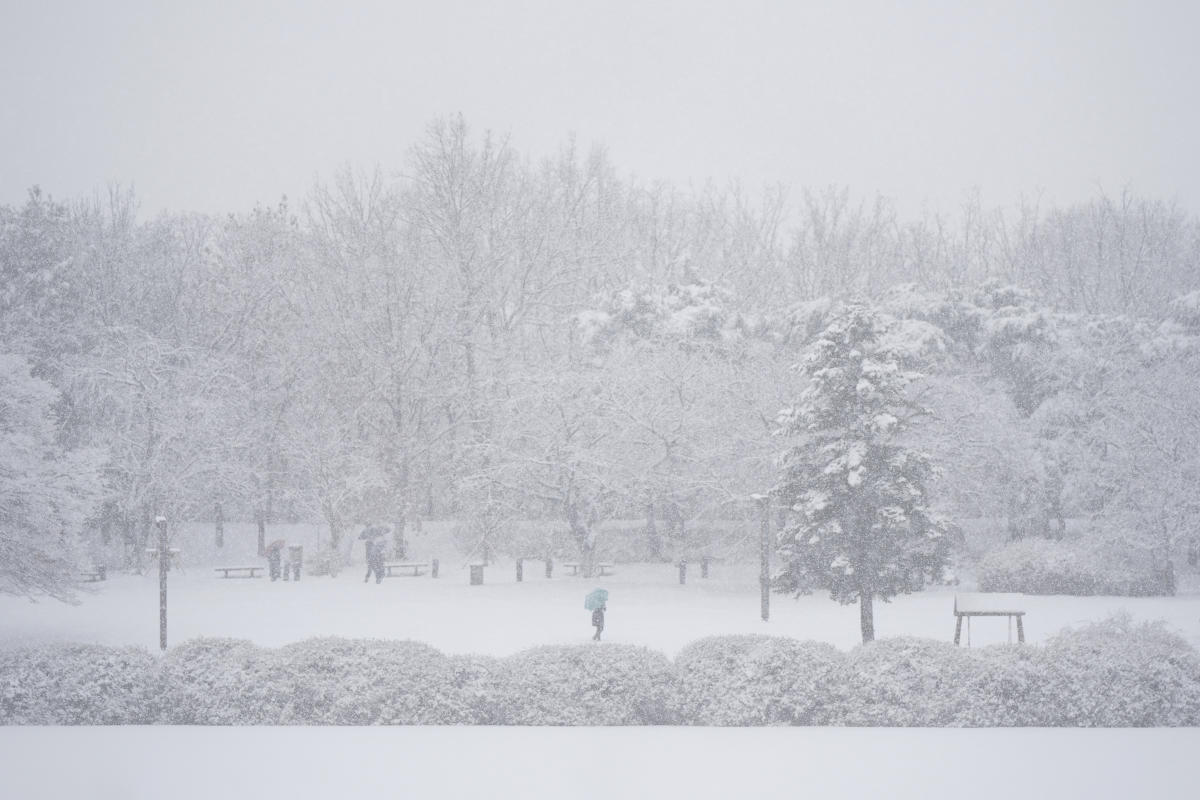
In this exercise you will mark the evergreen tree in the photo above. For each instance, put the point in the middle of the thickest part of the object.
(861, 526)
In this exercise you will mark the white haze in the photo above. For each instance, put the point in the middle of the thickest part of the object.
(217, 106)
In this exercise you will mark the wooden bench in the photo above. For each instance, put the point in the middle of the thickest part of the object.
(94, 574)
(415, 566)
(988, 605)
(603, 567)
(239, 572)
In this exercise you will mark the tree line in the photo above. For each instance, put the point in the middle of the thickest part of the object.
(485, 337)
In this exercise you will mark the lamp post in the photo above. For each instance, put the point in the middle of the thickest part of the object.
(764, 575)
(163, 555)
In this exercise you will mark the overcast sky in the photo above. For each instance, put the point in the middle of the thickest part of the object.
(213, 107)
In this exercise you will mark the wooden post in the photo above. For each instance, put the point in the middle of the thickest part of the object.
(549, 566)
(163, 555)
(433, 569)
(704, 567)
(1020, 629)
(682, 573)
(957, 628)
(764, 574)
(220, 526)
(520, 570)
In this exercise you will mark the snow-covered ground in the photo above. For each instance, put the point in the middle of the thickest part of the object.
(694, 763)
(647, 606)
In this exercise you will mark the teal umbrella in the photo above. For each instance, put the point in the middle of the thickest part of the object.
(595, 599)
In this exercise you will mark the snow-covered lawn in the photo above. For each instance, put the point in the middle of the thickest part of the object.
(693, 763)
(647, 606)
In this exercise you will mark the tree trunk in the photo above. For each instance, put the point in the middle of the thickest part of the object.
(220, 533)
(399, 543)
(653, 541)
(866, 610)
(583, 538)
(260, 518)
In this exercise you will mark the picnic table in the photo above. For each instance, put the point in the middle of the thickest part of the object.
(239, 572)
(94, 574)
(989, 605)
(603, 567)
(415, 566)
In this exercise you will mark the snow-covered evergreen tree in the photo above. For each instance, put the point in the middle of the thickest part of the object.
(861, 525)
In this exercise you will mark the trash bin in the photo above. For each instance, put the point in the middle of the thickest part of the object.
(476, 574)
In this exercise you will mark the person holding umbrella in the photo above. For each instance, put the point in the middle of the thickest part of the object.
(373, 535)
(274, 553)
(597, 602)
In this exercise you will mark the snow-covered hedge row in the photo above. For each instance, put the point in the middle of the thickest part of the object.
(1075, 567)
(612, 684)
(326, 681)
(1113, 673)
(758, 680)
(79, 684)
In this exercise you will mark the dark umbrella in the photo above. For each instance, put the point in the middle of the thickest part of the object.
(373, 532)
(276, 545)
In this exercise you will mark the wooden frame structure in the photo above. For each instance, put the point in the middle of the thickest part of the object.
(985, 605)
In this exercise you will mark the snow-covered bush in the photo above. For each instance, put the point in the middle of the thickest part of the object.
(478, 679)
(1116, 673)
(998, 686)
(928, 683)
(1074, 567)
(607, 684)
(903, 682)
(221, 682)
(332, 681)
(78, 684)
(757, 680)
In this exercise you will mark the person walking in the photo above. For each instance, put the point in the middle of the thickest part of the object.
(370, 543)
(376, 549)
(274, 558)
(598, 622)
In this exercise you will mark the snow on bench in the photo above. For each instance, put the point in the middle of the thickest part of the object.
(604, 567)
(94, 574)
(984, 604)
(249, 572)
(415, 566)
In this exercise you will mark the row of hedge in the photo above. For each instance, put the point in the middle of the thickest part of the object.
(1082, 566)
(1109, 674)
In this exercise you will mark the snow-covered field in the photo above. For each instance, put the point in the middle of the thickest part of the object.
(607, 763)
(647, 607)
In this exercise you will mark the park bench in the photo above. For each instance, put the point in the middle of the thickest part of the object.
(415, 566)
(988, 605)
(239, 572)
(603, 567)
(94, 574)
